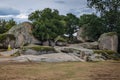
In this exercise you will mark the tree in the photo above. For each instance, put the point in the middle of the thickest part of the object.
(71, 25)
(93, 26)
(109, 10)
(6, 25)
(48, 24)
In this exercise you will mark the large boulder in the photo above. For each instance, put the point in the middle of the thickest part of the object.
(81, 37)
(23, 34)
(108, 41)
(7, 39)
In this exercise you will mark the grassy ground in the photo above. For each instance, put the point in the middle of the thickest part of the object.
(109, 70)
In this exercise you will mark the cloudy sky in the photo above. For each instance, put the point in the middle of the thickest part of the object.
(20, 9)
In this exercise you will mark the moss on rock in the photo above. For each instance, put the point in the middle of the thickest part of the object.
(41, 48)
(111, 33)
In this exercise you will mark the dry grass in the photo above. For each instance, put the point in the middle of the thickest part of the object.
(109, 70)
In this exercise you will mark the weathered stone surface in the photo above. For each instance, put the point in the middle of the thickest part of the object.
(60, 43)
(23, 34)
(108, 41)
(91, 55)
(55, 57)
(90, 45)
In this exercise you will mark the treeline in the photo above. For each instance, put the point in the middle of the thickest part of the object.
(49, 24)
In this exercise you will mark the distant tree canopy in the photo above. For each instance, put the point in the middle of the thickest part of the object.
(110, 12)
(72, 23)
(93, 26)
(6, 25)
(49, 24)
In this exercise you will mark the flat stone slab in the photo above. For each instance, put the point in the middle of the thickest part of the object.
(55, 57)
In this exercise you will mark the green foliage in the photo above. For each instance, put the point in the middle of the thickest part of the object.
(48, 24)
(71, 25)
(6, 25)
(110, 12)
(92, 25)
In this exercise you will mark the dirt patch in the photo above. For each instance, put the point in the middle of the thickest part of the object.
(108, 70)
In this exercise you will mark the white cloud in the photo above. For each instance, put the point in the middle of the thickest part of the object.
(6, 16)
(22, 16)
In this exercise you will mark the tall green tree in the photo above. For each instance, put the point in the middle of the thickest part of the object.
(93, 26)
(71, 25)
(48, 24)
(109, 10)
